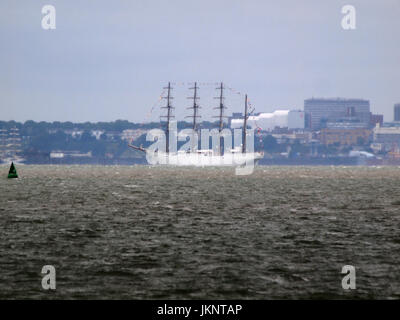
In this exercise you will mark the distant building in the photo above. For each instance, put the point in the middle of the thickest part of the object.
(387, 137)
(346, 124)
(343, 136)
(97, 133)
(132, 134)
(375, 119)
(397, 112)
(291, 119)
(302, 137)
(391, 124)
(113, 135)
(10, 145)
(321, 110)
(74, 133)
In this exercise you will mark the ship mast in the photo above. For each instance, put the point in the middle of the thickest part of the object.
(221, 114)
(245, 125)
(169, 115)
(195, 108)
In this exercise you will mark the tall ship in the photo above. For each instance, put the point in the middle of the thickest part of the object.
(195, 156)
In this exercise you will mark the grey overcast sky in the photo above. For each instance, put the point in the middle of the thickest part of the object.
(109, 60)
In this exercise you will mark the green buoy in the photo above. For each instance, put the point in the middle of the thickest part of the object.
(13, 172)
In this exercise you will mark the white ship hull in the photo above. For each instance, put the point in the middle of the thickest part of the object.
(203, 159)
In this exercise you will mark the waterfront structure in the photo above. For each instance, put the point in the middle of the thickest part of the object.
(59, 154)
(319, 111)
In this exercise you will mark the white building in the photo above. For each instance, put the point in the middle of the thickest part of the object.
(386, 137)
(132, 134)
(97, 133)
(291, 119)
(73, 154)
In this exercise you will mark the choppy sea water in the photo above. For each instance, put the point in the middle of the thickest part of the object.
(141, 232)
